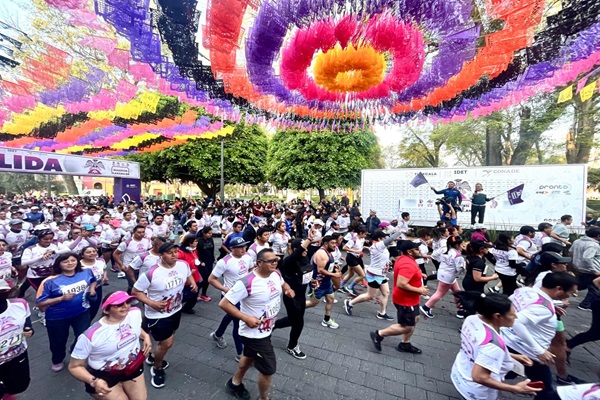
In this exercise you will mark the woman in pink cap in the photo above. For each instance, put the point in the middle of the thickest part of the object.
(109, 357)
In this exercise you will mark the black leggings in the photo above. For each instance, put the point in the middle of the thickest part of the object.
(509, 283)
(295, 315)
(205, 274)
(475, 209)
(592, 334)
(433, 277)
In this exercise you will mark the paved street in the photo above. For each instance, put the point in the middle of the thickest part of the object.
(341, 364)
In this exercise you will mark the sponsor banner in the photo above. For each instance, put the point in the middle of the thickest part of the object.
(523, 195)
(39, 162)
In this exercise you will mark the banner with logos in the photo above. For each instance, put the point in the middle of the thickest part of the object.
(546, 192)
(40, 162)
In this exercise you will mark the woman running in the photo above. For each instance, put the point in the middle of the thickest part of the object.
(90, 260)
(355, 242)
(475, 277)
(206, 255)
(108, 356)
(506, 263)
(376, 275)
(187, 252)
(451, 264)
(439, 236)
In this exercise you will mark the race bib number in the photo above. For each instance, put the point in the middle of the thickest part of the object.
(307, 277)
(74, 288)
(11, 341)
(174, 282)
(272, 309)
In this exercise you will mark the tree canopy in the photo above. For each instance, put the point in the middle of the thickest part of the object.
(199, 161)
(322, 160)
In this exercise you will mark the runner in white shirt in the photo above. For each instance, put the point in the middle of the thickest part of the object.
(90, 260)
(424, 238)
(127, 224)
(143, 262)
(161, 290)
(483, 360)
(589, 391)
(227, 225)
(16, 236)
(536, 324)
(259, 297)
(506, 263)
(235, 265)
(542, 236)
(438, 248)
(451, 264)
(61, 231)
(261, 242)
(110, 238)
(206, 219)
(376, 275)
(80, 238)
(525, 246)
(280, 239)
(91, 217)
(169, 219)
(344, 222)
(159, 227)
(4, 228)
(355, 242)
(404, 226)
(108, 357)
(16, 327)
(7, 271)
(128, 250)
(39, 258)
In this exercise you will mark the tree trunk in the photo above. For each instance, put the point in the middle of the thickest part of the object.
(209, 190)
(493, 145)
(321, 194)
(70, 184)
(580, 139)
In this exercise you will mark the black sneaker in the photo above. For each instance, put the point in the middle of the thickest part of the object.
(238, 391)
(190, 311)
(296, 352)
(150, 361)
(408, 348)
(351, 292)
(343, 289)
(570, 380)
(582, 308)
(158, 377)
(348, 307)
(375, 340)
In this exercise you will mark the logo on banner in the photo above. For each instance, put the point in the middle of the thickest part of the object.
(95, 167)
(120, 168)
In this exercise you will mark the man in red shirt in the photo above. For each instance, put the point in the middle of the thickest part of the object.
(406, 295)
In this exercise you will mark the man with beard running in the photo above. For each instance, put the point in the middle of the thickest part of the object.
(406, 295)
(324, 270)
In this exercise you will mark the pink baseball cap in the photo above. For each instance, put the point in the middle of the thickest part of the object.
(119, 297)
(115, 222)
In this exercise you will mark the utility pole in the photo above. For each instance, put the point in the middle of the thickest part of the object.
(222, 193)
(49, 185)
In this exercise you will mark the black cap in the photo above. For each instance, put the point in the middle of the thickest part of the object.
(166, 247)
(296, 244)
(480, 243)
(409, 245)
(549, 257)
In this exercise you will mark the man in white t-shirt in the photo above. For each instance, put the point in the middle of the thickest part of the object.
(404, 226)
(259, 296)
(127, 251)
(344, 221)
(536, 325)
(560, 232)
(91, 217)
(261, 242)
(525, 245)
(159, 227)
(161, 290)
(232, 267)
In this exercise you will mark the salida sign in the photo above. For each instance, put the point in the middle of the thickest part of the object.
(38, 162)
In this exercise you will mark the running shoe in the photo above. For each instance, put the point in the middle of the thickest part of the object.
(296, 353)
(114, 269)
(384, 316)
(204, 297)
(330, 324)
(351, 292)
(158, 377)
(121, 275)
(425, 297)
(426, 311)
(238, 357)
(343, 289)
(238, 391)
(57, 367)
(376, 342)
(584, 308)
(335, 301)
(408, 348)
(150, 361)
(493, 289)
(221, 343)
(364, 283)
(348, 307)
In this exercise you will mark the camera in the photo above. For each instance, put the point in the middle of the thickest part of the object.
(444, 200)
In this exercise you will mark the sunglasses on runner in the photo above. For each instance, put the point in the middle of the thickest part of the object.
(271, 261)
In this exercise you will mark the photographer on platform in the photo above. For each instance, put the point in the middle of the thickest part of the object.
(452, 193)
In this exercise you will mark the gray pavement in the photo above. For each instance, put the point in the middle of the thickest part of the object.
(341, 364)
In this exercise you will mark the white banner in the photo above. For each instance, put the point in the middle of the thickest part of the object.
(549, 192)
(40, 162)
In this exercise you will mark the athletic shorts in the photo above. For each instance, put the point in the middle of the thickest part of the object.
(407, 316)
(111, 380)
(325, 288)
(354, 261)
(162, 328)
(261, 351)
(14, 374)
(376, 281)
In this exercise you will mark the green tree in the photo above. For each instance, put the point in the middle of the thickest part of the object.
(22, 184)
(199, 161)
(323, 160)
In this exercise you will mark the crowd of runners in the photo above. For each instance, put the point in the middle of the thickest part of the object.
(65, 251)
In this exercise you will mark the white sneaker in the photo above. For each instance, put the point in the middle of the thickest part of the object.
(121, 275)
(334, 300)
(425, 297)
(331, 324)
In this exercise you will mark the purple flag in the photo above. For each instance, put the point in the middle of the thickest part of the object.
(418, 180)
(514, 195)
